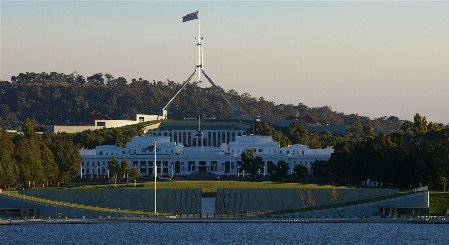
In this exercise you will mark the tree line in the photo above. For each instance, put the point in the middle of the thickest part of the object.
(417, 154)
(57, 98)
(29, 159)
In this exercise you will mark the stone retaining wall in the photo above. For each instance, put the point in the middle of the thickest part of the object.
(168, 200)
(243, 200)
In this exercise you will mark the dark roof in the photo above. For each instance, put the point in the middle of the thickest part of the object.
(96, 116)
(205, 125)
(309, 119)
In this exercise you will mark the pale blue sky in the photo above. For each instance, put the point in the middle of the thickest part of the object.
(370, 58)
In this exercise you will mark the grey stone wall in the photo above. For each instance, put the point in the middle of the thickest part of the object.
(415, 200)
(168, 200)
(243, 200)
(46, 210)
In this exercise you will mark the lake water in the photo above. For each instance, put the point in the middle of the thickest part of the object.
(225, 233)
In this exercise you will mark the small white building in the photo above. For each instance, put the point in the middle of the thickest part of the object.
(173, 159)
(102, 123)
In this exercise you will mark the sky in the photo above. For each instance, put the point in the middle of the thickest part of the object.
(371, 58)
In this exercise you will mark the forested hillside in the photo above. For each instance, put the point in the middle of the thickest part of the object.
(69, 99)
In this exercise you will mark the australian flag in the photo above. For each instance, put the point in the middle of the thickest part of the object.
(190, 16)
(150, 147)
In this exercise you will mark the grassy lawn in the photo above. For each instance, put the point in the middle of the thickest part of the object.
(212, 186)
(439, 203)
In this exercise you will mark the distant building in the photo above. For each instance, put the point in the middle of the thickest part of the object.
(99, 122)
(309, 123)
(213, 132)
(174, 159)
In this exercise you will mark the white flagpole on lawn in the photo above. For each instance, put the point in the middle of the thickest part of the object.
(155, 176)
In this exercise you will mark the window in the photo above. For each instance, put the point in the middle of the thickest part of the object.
(213, 166)
(191, 166)
(141, 119)
(101, 124)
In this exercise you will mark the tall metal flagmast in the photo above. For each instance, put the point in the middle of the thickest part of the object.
(199, 69)
(199, 64)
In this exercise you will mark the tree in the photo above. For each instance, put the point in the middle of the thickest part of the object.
(124, 168)
(282, 169)
(66, 156)
(334, 196)
(320, 169)
(114, 169)
(109, 78)
(251, 163)
(310, 199)
(51, 170)
(133, 174)
(8, 166)
(443, 182)
(271, 169)
(28, 156)
(299, 135)
(96, 79)
(300, 171)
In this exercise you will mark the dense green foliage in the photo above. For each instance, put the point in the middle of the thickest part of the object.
(418, 154)
(106, 136)
(297, 134)
(69, 99)
(439, 203)
(278, 171)
(33, 160)
(251, 163)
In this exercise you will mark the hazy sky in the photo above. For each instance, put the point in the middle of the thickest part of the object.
(371, 58)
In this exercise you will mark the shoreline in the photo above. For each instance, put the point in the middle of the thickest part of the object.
(429, 220)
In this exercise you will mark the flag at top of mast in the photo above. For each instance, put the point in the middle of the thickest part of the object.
(191, 16)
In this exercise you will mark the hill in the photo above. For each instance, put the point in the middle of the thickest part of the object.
(68, 99)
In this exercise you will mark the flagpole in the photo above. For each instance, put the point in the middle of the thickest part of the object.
(155, 176)
(199, 65)
(201, 132)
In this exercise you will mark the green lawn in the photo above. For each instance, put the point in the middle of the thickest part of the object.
(439, 203)
(212, 186)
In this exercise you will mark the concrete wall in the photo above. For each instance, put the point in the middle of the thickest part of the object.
(47, 210)
(70, 129)
(115, 123)
(168, 200)
(416, 200)
(242, 200)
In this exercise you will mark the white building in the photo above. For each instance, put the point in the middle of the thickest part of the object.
(102, 123)
(173, 159)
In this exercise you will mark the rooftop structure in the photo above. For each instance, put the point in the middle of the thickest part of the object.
(101, 123)
(201, 133)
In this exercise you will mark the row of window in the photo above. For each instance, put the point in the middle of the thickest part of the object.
(207, 138)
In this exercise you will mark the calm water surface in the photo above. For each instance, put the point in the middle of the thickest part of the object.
(229, 233)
